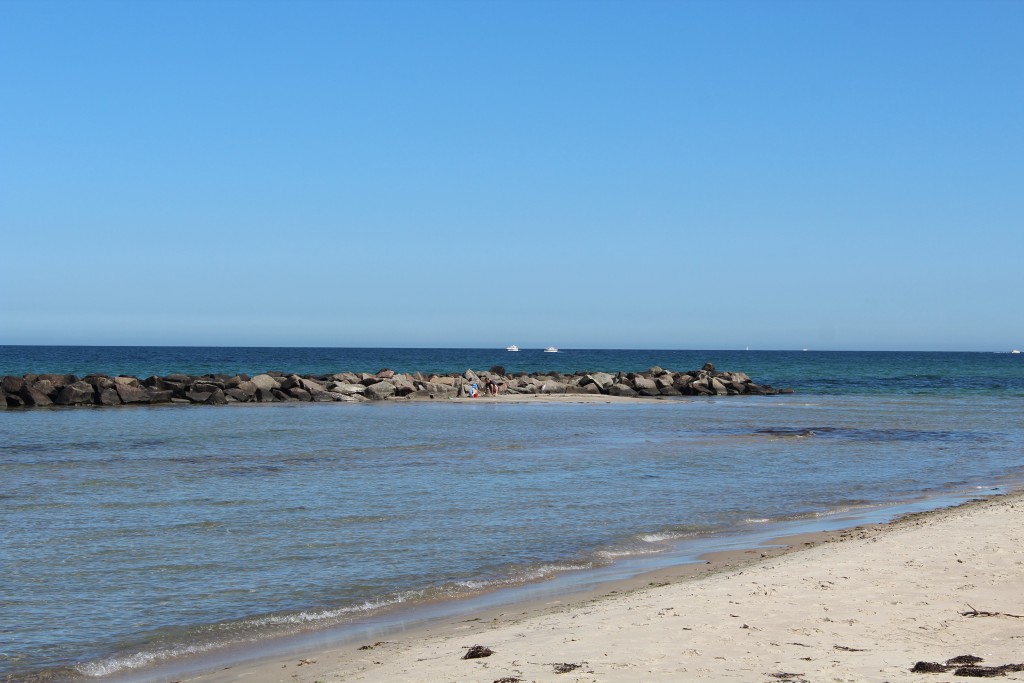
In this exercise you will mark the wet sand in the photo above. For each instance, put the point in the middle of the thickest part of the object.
(863, 604)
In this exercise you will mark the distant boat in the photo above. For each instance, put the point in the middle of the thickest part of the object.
(1015, 351)
(512, 348)
(551, 349)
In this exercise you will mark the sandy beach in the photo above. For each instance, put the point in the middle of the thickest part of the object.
(863, 604)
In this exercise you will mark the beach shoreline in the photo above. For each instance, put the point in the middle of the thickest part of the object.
(887, 594)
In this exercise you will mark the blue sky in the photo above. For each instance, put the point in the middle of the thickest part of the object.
(831, 175)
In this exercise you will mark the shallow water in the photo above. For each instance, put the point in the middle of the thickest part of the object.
(132, 535)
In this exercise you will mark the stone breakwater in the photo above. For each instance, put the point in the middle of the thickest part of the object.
(278, 387)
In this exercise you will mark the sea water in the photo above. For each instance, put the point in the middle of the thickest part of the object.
(136, 536)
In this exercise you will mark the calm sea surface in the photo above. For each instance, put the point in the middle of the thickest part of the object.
(131, 537)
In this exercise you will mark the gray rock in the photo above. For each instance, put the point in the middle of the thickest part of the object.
(33, 396)
(347, 389)
(265, 395)
(670, 391)
(47, 387)
(299, 393)
(682, 381)
(58, 381)
(124, 381)
(403, 387)
(217, 398)
(552, 387)
(76, 393)
(265, 382)
(160, 395)
(702, 387)
(99, 382)
(641, 384)
(313, 387)
(236, 381)
(621, 389)
(129, 393)
(108, 396)
(380, 391)
(238, 394)
(246, 386)
(435, 388)
(11, 385)
(717, 387)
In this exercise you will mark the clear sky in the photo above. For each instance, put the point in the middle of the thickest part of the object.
(778, 175)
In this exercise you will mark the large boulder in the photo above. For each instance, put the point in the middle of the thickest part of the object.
(434, 389)
(33, 396)
(11, 385)
(299, 393)
(290, 381)
(265, 395)
(552, 387)
(217, 398)
(583, 389)
(380, 391)
(75, 394)
(621, 389)
(266, 382)
(237, 394)
(160, 395)
(58, 381)
(108, 396)
(641, 383)
(47, 387)
(347, 389)
(717, 387)
(312, 387)
(198, 396)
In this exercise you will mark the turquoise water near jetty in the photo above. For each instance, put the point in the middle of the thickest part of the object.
(134, 536)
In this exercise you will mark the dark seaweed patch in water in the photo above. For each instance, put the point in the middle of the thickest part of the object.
(253, 469)
(855, 434)
(783, 431)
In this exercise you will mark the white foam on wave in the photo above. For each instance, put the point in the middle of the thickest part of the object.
(318, 616)
(629, 552)
(662, 536)
(525, 576)
(137, 660)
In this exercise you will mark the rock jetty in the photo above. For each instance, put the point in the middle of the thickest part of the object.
(278, 387)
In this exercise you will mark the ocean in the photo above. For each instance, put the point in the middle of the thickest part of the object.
(138, 538)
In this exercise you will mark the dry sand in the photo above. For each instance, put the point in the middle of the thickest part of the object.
(863, 604)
